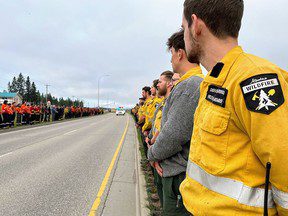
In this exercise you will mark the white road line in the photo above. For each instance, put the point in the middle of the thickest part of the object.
(70, 132)
(6, 154)
(43, 126)
(101, 121)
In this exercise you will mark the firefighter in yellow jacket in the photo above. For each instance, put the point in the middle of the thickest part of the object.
(146, 95)
(241, 122)
(151, 107)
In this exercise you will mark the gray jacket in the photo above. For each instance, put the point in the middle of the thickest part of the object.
(172, 145)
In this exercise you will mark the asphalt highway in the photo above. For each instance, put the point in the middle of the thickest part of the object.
(57, 169)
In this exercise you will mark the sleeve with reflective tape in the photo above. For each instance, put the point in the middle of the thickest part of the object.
(268, 131)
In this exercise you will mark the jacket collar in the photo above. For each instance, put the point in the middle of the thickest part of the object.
(224, 66)
(196, 71)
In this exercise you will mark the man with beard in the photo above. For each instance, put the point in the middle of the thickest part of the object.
(171, 147)
(146, 95)
(164, 87)
(140, 111)
(151, 107)
(236, 134)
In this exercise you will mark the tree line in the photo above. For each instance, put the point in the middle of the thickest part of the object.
(28, 91)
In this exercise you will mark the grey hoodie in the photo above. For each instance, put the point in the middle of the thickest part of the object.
(172, 145)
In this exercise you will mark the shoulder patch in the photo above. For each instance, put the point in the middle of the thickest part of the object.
(217, 69)
(217, 95)
(262, 93)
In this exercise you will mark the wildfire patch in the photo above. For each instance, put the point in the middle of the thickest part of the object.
(262, 93)
(217, 95)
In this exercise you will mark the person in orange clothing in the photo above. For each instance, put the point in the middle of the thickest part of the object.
(37, 113)
(77, 111)
(10, 120)
(5, 113)
(14, 106)
(26, 113)
(19, 114)
(73, 110)
(23, 112)
(32, 113)
(23, 107)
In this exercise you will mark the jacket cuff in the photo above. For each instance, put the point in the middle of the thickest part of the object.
(150, 154)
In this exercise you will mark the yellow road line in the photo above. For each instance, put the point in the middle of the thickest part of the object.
(107, 175)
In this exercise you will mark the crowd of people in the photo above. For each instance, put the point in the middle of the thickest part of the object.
(217, 144)
(12, 115)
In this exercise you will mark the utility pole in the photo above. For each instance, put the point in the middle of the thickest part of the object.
(106, 75)
(47, 92)
(73, 99)
(108, 100)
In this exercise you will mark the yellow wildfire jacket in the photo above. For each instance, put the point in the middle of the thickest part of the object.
(149, 112)
(241, 123)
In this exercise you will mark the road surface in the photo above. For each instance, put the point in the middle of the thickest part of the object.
(57, 169)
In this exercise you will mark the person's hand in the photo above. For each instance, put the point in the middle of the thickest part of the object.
(158, 169)
(147, 140)
(152, 164)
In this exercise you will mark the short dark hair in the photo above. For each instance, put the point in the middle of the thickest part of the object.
(147, 89)
(155, 83)
(222, 17)
(176, 41)
(168, 75)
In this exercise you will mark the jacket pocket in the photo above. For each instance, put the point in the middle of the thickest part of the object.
(214, 139)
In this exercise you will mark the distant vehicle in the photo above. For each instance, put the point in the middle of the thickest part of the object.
(120, 111)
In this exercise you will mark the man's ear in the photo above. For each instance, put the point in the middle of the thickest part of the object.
(197, 25)
(181, 54)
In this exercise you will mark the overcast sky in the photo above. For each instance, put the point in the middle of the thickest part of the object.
(69, 44)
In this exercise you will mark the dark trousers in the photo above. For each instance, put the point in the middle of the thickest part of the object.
(172, 199)
(159, 186)
(6, 119)
(145, 144)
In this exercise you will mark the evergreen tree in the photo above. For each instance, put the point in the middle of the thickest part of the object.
(39, 99)
(30, 93)
(27, 95)
(9, 87)
(13, 86)
(33, 94)
(69, 102)
(20, 83)
(62, 101)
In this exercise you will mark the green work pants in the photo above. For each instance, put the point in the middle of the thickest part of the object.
(158, 184)
(172, 199)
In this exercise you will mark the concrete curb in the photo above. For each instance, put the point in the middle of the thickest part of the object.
(141, 193)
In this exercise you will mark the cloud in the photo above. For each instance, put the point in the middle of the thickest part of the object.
(70, 44)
